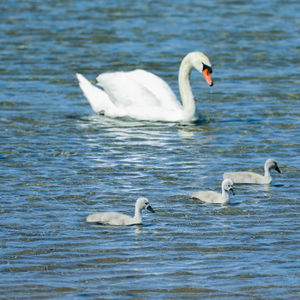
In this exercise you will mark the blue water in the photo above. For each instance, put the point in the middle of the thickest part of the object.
(60, 162)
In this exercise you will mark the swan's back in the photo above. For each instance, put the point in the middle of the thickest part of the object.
(97, 98)
(110, 218)
(208, 196)
(246, 177)
(138, 88)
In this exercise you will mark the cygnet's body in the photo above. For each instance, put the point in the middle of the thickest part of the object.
(214, 197)
(115, 218)
(250, 177)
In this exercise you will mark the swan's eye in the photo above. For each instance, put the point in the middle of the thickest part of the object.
(207, 67)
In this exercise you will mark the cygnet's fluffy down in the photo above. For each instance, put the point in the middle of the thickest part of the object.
(214, 197)
(115, 218)
(250, 177)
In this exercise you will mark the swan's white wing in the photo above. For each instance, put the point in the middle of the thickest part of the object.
(208, 196)
(138, 88)
(246, 177)
(157, 86)
(97, 98)
(110, 218)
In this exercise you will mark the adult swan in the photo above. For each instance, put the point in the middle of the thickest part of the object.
(142, 95)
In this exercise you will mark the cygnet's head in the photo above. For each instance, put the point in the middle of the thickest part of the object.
(202, 64)
(272, 164)
(227, 185)
(143, 203)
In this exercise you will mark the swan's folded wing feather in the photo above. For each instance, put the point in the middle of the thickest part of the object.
(110, 218)
(138, 88)
(244, 177)
(207, 196)
(157, 86)
(97, 98)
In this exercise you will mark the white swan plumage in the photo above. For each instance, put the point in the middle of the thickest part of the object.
(215, 197)
(144, 96)
(118, 219)
(251, 177)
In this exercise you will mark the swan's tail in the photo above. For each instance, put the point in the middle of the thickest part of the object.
(97, 98)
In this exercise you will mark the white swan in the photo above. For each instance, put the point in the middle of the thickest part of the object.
(115, 218)
(142, 95)
(250, 177)
(214, 197)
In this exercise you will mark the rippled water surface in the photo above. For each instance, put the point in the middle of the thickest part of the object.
(60, 162)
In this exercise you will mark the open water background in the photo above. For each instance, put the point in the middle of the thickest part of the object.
(60, 162)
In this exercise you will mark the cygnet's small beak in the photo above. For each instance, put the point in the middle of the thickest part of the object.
(277, 169)
(150, 209)
(207, 77)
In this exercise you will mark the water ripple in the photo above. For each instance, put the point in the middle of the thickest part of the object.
(60, 162)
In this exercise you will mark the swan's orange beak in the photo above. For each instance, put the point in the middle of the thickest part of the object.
(207, 77)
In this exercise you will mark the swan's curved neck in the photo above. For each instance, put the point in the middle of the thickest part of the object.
(137, 215)
(267, 172)
(185, 89)
(225, 196)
